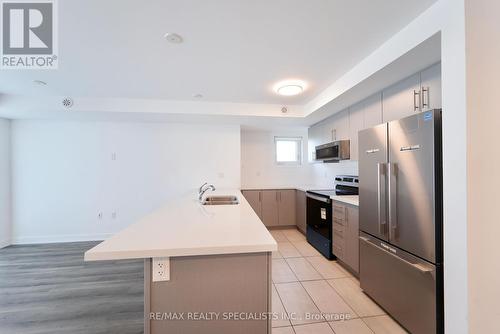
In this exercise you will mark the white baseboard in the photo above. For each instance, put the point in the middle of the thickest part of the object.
(4, 243)
(23, 240)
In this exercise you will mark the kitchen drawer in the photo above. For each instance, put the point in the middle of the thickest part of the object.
(338, 230)
(339, 221)
(338, 250)
(338, 212)
(339, 242)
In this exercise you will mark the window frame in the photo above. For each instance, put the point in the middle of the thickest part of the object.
(298, 140)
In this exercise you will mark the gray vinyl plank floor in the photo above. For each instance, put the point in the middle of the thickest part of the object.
(49, 289)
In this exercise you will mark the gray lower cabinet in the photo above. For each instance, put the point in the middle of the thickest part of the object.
(346, 234)
(274, 207)
(270, 216)
(239, 283)
(254, 198)
(300, 210)
(286, 207)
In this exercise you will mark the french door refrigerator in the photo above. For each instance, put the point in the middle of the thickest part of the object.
(400, 215)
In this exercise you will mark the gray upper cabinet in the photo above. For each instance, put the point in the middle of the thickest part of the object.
(362, 115)
(373, 111)
(401, 99)
(337, 127)
(419, 92)
(314, 139)
(356, 124)
(431, 87)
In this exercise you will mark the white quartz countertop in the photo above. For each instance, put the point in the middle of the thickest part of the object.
(184, 227)
(347, 199)
(303, 187)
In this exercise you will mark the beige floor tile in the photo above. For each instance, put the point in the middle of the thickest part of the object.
(355, 280)
(303, 269)
(277, 255)
(279, 311)
(328, 269)
(286, 249)
(354, 296)
(319, 328)
(384, 325)
(283, 330)
(329, 302)
(305, 249)
(282, 272)
(278, 235)
(298, 303)
(294, 235)
(354, 326)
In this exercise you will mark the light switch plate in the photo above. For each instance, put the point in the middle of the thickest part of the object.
(161, 269)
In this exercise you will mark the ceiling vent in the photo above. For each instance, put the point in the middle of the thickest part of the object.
(67, 102)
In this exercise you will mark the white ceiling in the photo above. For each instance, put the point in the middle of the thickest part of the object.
(233, 50)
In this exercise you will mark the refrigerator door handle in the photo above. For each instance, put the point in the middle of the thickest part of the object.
(392, 200)
(387, 249)
(381, 199)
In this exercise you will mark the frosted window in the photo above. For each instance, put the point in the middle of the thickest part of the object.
(288, 150)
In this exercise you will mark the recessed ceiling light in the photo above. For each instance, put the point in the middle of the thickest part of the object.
(39, 82)
(289, 87)
(173, 37)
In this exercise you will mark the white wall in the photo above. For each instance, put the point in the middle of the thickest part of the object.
(258, 167)
(324, 173)
(64, 175)
(483, 121)
(5, 193)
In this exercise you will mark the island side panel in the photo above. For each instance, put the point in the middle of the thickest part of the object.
(147, 295)
(221, 284)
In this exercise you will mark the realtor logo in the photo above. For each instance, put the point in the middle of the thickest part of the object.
(29, 34)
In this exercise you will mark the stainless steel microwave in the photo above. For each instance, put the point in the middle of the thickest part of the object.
(334, 151)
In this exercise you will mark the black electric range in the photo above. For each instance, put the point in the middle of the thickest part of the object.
(319, 212)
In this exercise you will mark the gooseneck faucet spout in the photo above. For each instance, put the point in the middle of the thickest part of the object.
(204, 188)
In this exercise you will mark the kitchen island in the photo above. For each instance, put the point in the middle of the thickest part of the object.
(218, 266)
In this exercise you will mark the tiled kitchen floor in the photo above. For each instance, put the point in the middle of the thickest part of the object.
(314, 294)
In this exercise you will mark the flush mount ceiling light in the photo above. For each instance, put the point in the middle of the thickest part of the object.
(289, 88)
(173, 37)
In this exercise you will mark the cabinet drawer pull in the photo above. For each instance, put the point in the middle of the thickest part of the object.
(416, 103)
(425, 91)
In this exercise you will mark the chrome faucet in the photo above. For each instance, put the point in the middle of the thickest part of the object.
(204, 188)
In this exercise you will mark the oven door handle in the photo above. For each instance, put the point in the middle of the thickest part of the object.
(319, 198)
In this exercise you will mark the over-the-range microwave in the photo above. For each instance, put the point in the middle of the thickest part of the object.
(334, 151)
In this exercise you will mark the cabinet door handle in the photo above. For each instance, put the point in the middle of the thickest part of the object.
(276, 196)
(260, 196)
(425, 91)
(416, 103)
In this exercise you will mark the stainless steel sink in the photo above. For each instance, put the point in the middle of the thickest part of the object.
(220, 200)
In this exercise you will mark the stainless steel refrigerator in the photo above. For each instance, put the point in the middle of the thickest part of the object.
(400, 216)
